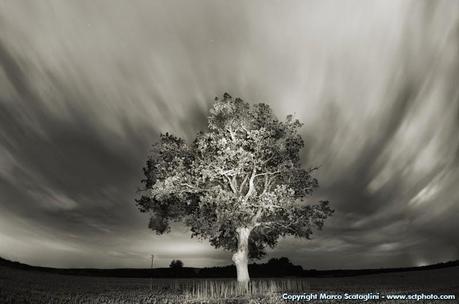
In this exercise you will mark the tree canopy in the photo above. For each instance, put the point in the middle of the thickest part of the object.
(244, 171)
(175, 264)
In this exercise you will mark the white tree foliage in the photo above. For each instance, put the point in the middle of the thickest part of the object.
(240, 184)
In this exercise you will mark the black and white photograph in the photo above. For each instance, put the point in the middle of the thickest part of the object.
(224, 152)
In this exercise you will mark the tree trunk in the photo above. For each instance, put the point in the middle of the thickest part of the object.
(241, 257)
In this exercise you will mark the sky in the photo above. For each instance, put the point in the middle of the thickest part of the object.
(87, 87)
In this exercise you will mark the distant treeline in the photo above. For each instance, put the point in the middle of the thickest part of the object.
(281, 267)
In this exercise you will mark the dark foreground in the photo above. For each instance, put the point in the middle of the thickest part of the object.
(26, 286)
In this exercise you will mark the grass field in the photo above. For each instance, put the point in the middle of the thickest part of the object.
(23, 286)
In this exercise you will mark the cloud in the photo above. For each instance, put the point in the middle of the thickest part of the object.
(85, 89)
(52, 199)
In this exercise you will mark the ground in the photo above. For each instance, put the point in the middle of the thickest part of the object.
(25, 286)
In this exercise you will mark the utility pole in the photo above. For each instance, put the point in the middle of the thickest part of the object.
(151, 272)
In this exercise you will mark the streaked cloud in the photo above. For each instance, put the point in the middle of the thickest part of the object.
(85, 89)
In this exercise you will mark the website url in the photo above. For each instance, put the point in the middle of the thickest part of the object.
(421, 296)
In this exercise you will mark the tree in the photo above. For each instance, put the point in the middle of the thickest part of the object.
(240, 184)
(175, 264)
(281, 261)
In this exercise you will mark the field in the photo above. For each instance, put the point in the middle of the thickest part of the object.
(23, 286)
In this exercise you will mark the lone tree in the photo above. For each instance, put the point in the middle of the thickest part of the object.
(175, 264)
(240, 184)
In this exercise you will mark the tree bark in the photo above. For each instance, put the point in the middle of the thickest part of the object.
(241, 257)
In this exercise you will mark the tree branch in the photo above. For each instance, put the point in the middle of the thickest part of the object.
(275, 223)
(244, 182)
(257, 216)
(251, 184)
(230, 182)
(226, 172)
(265, 188)
(245, 129)
(270, 173)
(233, 137)
(266, 161)
(234, 183)
(270, 181)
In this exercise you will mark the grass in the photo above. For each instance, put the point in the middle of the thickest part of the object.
(22, 286)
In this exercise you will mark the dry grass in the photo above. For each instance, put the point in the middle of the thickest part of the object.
(19, 286)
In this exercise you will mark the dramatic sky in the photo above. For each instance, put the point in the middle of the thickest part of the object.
(87, 86)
